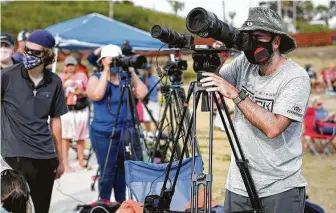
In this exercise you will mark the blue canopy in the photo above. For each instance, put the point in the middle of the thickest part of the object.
(94, 30)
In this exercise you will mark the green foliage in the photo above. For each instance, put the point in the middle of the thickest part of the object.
(31, 15)
(321, 8)
(312, 28)
(176, 5)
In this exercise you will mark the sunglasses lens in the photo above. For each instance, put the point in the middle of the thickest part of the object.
(33, 52)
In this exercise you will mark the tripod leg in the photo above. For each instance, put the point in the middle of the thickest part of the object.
(169, 193)
(185, 145)
(161, 126)
(243, 162)
(111, 137)
(178, 106)
(170, 144)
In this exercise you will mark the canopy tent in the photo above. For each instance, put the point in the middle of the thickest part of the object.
(94, 30)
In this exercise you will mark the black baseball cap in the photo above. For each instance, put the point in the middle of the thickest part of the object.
(7, 38)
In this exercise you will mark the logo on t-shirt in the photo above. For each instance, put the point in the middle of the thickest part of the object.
(296, 110)
(261, 98)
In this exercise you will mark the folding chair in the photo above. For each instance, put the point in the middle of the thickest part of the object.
(144, 179)
(310, 135)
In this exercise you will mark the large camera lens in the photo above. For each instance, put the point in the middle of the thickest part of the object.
(198, 20)
(157, 32)
(206, 24)
(136, 61)
(171, 37)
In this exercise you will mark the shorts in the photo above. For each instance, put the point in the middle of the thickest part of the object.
(154, 108)
(75, 124)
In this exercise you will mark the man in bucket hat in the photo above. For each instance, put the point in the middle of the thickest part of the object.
(270, 93)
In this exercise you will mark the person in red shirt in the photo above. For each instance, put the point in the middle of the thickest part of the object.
(329, 76)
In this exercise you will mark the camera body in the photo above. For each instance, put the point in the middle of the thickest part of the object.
(135, 61)
(205, 59)
(151, 203)
(174, 70)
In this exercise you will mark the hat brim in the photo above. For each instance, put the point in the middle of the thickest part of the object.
(99, 59)
(287, 43)
(7, 42)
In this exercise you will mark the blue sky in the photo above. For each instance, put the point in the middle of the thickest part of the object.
(215, 6)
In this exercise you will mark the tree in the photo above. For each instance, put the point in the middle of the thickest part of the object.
(176, 5)
(321, 8)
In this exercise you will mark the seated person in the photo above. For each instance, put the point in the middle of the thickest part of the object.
(15, 196)
(323, 116)
(329, 76)
(312, 76)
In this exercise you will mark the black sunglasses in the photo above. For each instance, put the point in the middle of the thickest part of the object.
(32, 52)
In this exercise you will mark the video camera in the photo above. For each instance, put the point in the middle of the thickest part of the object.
(205, 57)
(174, 70)
(135, 61)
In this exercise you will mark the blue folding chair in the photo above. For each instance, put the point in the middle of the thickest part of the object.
(144, 179)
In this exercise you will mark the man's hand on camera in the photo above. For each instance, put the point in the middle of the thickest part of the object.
(60, 170)
(213, 82)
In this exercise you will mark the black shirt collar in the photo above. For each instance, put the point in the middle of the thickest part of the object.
(47, 78)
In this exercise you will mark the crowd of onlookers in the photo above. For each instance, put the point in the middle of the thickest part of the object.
(75, 75)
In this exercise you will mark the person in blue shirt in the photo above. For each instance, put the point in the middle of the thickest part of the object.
(323, 116)
(152, 103)
(104, 90)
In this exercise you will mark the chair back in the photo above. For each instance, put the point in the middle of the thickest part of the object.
(309, 120)
(144, 179)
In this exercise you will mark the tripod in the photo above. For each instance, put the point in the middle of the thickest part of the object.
(129, 149)
(174, 95)
(162, 203)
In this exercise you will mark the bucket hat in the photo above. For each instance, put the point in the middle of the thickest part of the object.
(265, 19)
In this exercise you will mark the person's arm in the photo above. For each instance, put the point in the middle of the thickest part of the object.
(139, 88)
(96, 87)
(56, 132)
(58, 108)
(289, 106)
(94, 56)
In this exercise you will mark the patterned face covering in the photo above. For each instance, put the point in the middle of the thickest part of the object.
(30, 61)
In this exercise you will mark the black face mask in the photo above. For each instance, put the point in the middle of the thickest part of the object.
(260, 52)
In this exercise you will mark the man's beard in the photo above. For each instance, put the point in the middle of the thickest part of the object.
(268, 62)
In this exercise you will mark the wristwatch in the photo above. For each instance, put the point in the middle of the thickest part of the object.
(241, 96)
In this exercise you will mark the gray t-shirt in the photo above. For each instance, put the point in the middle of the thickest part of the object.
(275, 164)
